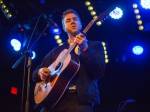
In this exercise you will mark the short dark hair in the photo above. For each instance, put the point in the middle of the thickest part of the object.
(68, 12)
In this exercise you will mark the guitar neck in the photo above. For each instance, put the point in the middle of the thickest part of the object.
(68, 52)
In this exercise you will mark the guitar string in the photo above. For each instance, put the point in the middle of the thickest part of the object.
(74, 44)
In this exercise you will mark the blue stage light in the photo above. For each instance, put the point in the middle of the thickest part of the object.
(55, 31)
(138, 50)
(145, 4)
(34, 55)
(42, 1)
(116, 13)
(16, 44)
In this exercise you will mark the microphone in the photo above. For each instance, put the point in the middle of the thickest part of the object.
(50, 21)
(129, 101)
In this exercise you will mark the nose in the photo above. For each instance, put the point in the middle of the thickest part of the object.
(72, 21)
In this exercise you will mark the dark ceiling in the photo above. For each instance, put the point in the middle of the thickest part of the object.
(127, 75)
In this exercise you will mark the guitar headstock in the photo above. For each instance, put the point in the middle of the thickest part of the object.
(105, 14)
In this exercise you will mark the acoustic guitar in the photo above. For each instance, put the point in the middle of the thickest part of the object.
(63, 69)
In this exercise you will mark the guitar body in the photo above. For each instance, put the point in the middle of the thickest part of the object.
(49, 93)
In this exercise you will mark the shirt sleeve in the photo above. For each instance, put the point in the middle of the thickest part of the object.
(45, 63)
(94, 59)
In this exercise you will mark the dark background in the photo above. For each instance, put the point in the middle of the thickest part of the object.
(127, 75)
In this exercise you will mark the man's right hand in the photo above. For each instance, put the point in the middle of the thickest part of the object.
(44, 73)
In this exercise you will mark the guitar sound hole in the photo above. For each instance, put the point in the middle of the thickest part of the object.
(58, 65)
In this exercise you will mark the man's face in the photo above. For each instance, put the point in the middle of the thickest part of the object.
(72, 24)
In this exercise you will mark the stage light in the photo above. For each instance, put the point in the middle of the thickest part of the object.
(59, 41)
(1, 1)
(34, 55)
(124, 58)
(16, 44)
(9, 15)
(141, 27)
(60, 44)
(138, 16)
(90, 8)
(145, 4)
(94, 17)
(3, 6)
(93, 13)
(56, 37)
(105, 52)
(104, 48)
(139, 22)
(136, 11)
(55, 30)
(42, 1)
(138, 50)
(103, 43)
(98, 23)
(135, 6)
(106, 56)
(87, 3)
(8, 9)
(106, 60)
(116, 13)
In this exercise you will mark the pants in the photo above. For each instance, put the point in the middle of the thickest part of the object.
(69, 103)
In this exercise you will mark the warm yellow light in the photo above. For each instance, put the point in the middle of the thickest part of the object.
(1, 1)
(87, 3)
(138, 16)
(135, 5)
(60, 44)
(56, 37)
(3, 6)
(99, 23)
(106, 56)
(105, 52)
(90, 8)
(6, 10)
(9, 15)
(94, 17)
(59, 41)
(103, 43)
(141, 27)
(139, 22)
(106, 60)
(104, 48)
(136, 11)
(93, 13)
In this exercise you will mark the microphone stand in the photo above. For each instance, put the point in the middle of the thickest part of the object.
(28, 53)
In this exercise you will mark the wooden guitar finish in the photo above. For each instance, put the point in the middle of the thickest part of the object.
(49, 93)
